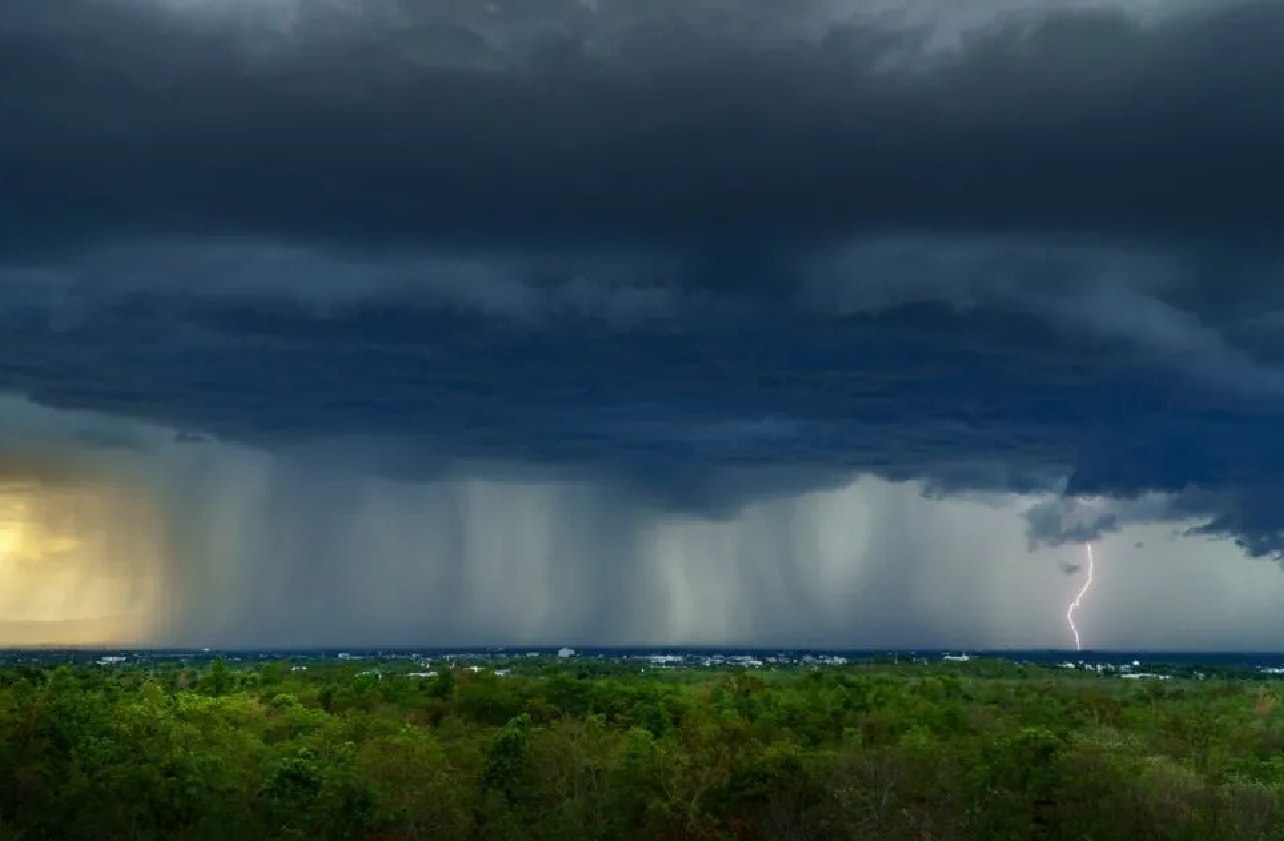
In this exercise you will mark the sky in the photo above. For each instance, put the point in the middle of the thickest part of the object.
(827, 323)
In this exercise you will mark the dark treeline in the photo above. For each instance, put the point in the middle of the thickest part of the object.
(559, 751)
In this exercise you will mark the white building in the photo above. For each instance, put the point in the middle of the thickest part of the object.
(566, 652)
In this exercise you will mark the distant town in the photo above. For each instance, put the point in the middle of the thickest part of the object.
(424, 663)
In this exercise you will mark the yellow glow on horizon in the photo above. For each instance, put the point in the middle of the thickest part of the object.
(79, 564)
(21, 541)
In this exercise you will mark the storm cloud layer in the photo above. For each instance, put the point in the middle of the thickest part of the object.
(395, 122)
(659, 259)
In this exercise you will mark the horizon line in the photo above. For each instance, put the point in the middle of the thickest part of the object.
(518, 647)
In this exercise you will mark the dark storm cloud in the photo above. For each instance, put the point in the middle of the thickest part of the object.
(700, 415)
(685, 122)
(650, 241)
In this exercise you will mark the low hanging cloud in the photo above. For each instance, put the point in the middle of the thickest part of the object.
(977, 366)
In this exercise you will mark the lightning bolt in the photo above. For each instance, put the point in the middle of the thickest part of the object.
(1087, 584)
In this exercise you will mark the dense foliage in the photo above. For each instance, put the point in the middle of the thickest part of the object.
(587, 751)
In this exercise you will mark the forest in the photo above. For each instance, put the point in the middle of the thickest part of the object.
(608, 750)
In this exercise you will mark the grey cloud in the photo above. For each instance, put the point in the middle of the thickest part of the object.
(972, 365)
(1151, 300)
(1247, 516)
(1027, 251)
(525, 287)
(683, 123)
(1074, 520)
